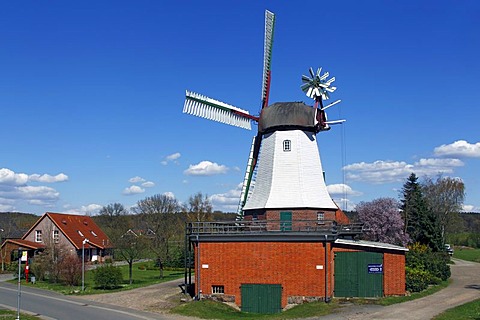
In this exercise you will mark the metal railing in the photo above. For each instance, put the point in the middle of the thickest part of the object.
(256, 226)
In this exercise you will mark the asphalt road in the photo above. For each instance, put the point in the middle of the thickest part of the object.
(51, 305)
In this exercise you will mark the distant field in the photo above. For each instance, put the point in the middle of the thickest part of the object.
(467, 254)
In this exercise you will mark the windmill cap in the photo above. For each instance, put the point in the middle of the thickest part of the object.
(287, 116)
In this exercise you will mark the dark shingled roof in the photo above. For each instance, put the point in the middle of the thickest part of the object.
(287, 116)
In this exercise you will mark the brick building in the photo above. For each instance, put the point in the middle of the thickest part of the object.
(264, 265)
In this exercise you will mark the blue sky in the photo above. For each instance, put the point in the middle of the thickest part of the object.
(91, 96)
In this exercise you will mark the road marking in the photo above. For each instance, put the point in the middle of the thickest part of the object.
(77, 303)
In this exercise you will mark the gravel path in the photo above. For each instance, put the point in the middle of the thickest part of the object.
(465, 287)
(158, 298)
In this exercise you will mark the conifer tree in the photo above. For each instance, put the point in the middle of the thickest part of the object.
(420, 222)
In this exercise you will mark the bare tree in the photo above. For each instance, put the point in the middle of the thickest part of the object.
(114, 220)
(445, 198)
(199, 208)
(161, 214)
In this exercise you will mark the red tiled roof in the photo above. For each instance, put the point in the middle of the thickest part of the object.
(77, 228)
(25, 243)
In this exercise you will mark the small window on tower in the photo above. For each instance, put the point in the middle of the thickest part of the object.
(218, 290)
(287, 145)
(320, 217)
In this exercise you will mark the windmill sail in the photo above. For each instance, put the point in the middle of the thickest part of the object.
(267, 56)
(247, 183)
(205, 107)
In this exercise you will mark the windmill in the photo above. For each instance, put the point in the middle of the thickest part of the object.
(284, 153)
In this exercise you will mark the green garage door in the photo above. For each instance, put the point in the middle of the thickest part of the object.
(358, 274)
(261, 298)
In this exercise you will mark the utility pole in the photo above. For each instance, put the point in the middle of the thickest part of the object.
(83, 263)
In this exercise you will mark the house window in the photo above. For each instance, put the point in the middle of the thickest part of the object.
(287, 145)
(218, 289)
(56, 236)
(38, 235)
(93, 233)
(80, 233)
(320, 217)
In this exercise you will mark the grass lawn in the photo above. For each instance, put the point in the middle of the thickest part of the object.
(468, 254)
(12, 315)
(141, 277)
(470, 310)
(206, 309)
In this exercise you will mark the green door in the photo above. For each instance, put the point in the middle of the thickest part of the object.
(286, 221)
(261, 298)
(358, 274)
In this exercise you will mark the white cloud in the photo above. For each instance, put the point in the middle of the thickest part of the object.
(344, 204)
(460, 148)
(133, 190)
(91, 208)
(341, 189)
(227, 201)
(169, 194)
(148, 184)
(205, 168)
(393, 171)
(136, 179)
(8, 177)
(171, 158)
(6, 207)
(46, 178)
(468, 208)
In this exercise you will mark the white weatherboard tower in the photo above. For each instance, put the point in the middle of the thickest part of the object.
(288, 174)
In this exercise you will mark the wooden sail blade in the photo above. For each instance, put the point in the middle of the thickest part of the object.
(208, 108)
(267, 56)
(247, 181)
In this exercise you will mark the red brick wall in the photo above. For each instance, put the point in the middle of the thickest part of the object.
(291, 264)
(394, 274)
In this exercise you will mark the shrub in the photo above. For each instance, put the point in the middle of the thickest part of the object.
(424, 267)
(416, 279)
(71, 269)
(107, 276)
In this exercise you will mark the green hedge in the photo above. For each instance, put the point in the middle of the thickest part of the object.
(107, 276)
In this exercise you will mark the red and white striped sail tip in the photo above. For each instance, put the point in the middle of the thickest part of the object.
(211, 109)
(317, 85)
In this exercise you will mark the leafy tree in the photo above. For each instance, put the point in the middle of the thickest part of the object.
(419, 221)
(130, 247)
(162, 215)
(444, 197)
(383, 221)
(199, 208)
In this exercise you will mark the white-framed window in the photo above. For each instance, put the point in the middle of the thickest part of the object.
(56, 236)
(38, 235)
(93, 233)
(287, 145)
(218, 289)
(80, 233)
(320, 217)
